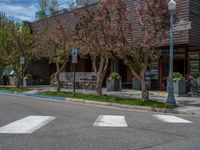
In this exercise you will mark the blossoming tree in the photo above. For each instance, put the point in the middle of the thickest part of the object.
(54, 42)
(138, 50)
(95, 30)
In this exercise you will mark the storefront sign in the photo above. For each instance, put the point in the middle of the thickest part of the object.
(74, 55)
(182, 26)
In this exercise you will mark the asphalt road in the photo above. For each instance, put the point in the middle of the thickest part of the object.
(73, 128)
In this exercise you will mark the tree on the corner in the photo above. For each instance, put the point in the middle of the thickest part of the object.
(138, 51)
(15, 42)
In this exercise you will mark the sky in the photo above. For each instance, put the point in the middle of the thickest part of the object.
(22, 10)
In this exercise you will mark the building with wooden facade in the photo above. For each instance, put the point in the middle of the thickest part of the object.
(186, 45)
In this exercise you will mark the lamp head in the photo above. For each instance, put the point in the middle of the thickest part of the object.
(172, 5)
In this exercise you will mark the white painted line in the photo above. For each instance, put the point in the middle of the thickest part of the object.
(26, 125)
(110, 121)
(171, 119)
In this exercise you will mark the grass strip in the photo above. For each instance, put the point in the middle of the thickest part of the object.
(13, 89)
(110, 99)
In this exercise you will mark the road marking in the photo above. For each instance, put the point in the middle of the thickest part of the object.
(110, 121)
(171, 119)
(26, 125)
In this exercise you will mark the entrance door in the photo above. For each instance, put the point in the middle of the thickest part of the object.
(179, 66)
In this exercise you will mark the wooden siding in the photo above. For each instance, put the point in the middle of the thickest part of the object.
(195, 19)
(179, 38)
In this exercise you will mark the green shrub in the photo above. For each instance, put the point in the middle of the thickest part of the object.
(177, 76)
(196, 75)
(114, 75)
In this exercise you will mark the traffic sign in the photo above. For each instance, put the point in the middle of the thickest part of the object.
(22, 61)
(74, 55)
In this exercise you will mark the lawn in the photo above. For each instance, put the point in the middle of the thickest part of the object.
(110, 99)
(13, 89)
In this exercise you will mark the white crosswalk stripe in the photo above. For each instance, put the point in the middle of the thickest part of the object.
(171, 119)
(110, 121)
(26, 125)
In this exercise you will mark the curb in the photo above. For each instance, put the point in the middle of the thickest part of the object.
(128, 107)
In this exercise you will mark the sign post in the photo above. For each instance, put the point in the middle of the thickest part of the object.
(74, 62)
(22, 62)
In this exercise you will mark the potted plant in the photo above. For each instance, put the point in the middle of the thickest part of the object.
(179, 83)
(136, 84)
(113, 83)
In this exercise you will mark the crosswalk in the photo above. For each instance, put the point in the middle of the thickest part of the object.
(110, 121)
(171, 119)
(26, 125)
(31, 124)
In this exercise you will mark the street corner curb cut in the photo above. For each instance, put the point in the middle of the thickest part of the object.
(128, 107)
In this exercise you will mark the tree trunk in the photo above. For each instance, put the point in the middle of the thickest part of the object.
(145, 93)
(101, 74)
(18, 81)
(19, 72)
(57, 77)
(57, 81)
(99, 84)
(141, 76)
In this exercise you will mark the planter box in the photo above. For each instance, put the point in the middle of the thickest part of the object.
(114, 85)
(179, 87)
(136, 84)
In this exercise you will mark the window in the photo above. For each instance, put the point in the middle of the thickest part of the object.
(194, 61)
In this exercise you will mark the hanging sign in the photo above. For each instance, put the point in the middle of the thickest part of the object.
(74, 55)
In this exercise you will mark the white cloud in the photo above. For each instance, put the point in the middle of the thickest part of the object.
(19, 12)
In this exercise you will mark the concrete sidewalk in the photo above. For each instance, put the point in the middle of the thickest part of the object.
(187, 104)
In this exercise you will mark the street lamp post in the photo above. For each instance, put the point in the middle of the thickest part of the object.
(170, 99)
